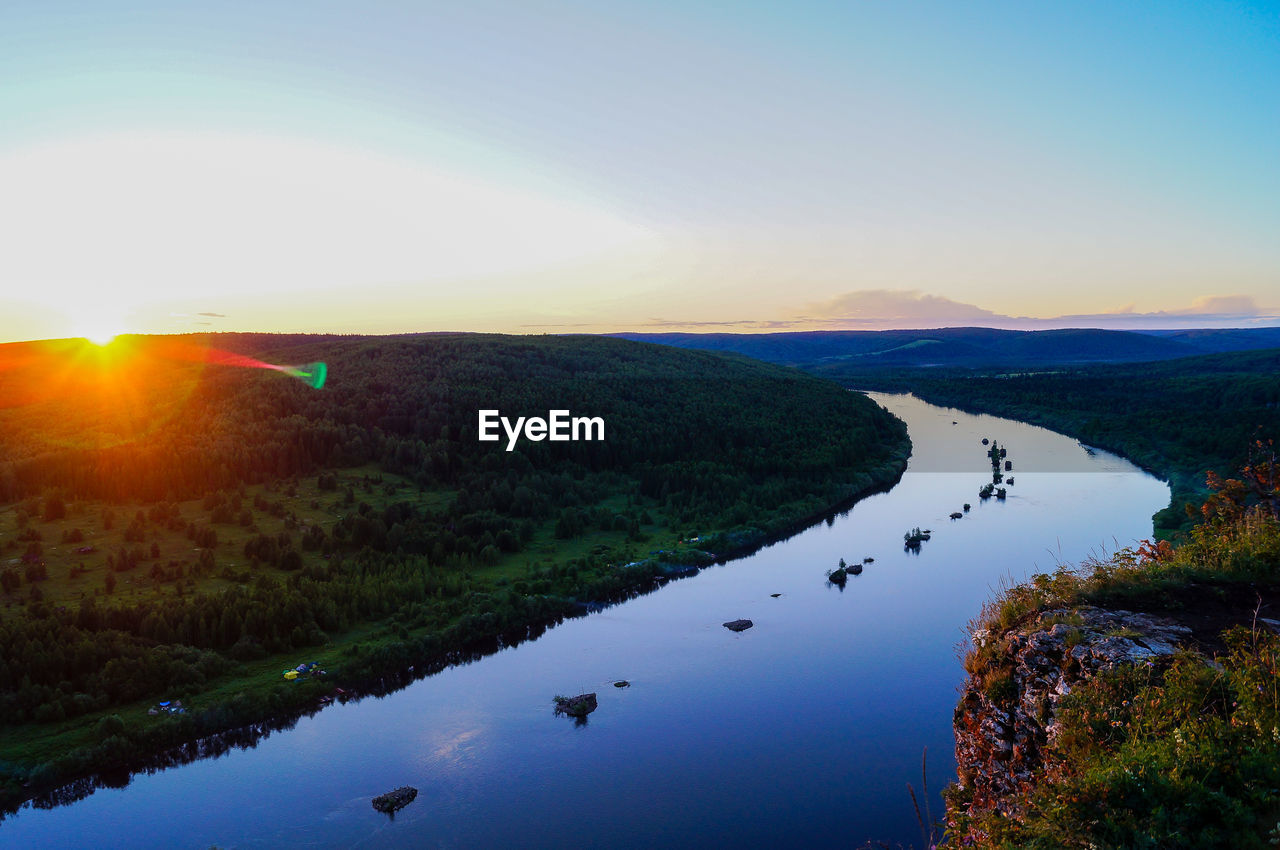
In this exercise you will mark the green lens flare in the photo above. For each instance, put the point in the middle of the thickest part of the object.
(311, 374)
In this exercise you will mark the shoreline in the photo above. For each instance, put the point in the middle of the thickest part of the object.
(394, 666)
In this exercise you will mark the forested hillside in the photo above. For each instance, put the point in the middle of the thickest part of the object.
(173, 526)
(716, 442)
(970, 347)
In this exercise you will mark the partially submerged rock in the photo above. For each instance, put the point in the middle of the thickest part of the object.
(738, 625)
(395, 800)
(579, 706)
(836, 577)
(622, 683)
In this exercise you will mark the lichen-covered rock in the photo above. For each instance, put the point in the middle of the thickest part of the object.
(1007, 714)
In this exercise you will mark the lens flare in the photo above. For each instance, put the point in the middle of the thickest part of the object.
(76, 393)
(313, 375)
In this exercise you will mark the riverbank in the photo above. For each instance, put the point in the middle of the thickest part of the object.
(53, 768)
(238, 525)
(482, 736)
(1174, 418)
(1133, 703)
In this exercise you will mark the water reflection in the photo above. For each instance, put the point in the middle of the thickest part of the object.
(802, 730)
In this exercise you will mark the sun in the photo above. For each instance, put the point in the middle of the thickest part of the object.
(100, 337)
(99, 324)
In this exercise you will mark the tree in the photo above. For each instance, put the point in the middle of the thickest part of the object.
(54, 509)
(108, 726)
(1262, 474)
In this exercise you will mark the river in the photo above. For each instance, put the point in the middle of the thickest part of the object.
(801, 731)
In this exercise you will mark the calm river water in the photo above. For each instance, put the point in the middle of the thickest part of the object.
(802, 731)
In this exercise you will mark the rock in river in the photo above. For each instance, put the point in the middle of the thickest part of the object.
(738, 625)
(579, 706)
(394, 800)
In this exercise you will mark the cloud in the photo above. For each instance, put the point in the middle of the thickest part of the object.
(740, 323)
(879, 308)
(1208, 309)
(886, 309)
(882, 308)
(729, 324)
(1240, 305)
(213, 315)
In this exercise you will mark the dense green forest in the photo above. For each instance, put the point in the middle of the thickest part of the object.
(1195, 400)
(981, 348)
(1177, 418)
(174, 526)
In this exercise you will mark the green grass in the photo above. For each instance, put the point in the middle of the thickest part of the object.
(30, 745)
(310, 504)
(1148, 757)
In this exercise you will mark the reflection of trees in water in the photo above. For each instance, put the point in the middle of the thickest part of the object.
(394, 679)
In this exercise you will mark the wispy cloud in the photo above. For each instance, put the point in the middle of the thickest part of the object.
(885, 309)
(1209, 310)
(213, 315)
(881, 308)
(741, 323)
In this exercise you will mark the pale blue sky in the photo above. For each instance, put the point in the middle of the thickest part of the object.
(730, 162)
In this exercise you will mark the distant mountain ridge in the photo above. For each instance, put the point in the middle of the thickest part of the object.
(971, 347)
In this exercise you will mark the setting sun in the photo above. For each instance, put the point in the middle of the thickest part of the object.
(98, 322)
(102, 337)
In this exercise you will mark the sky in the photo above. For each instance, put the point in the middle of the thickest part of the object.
(533, 167)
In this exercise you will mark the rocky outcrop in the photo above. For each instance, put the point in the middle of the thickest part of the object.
(393, 801)
(1006, 716)
(579, 706)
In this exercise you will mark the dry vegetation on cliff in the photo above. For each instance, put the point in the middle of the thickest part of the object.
(1135, 702)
